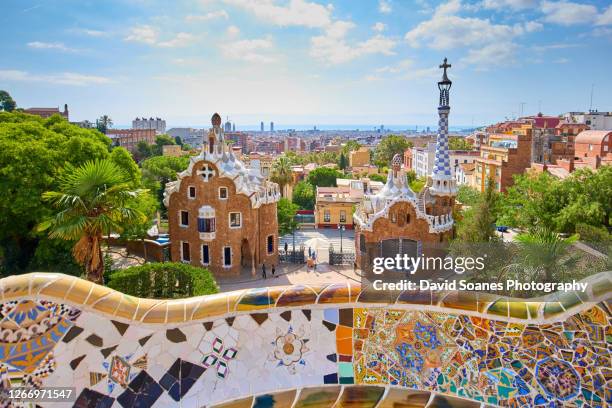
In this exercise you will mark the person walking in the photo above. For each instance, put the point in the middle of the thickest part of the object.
(286, 247)
(309, 252)
(263, 270)
(273, 270)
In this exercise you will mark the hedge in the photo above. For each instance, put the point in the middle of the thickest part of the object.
(168, 280)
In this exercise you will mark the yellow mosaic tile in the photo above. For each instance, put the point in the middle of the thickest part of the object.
(499, 308)
(59, 287)
(157, 314)
(335, 293)
(254, 299)
(176, 311)
(144, 305)
(241, 403)
(317, 397)
(461, 300)
(79, 292)
(127, 308)
(401, 398)
(518, 309)
(38, 281)
(298, 295)
(16, 286)
(108, 304)
(212, 305)
(415, 297)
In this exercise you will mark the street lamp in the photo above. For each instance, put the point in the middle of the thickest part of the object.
(341, 228)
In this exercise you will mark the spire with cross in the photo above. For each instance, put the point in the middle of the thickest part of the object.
(443, 180)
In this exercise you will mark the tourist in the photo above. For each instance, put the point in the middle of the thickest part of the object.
(263, 270)
(273, 270)
(286, 248)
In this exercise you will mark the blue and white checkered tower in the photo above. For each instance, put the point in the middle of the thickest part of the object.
(443, 182)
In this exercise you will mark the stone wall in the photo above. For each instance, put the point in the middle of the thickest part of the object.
(315, 347)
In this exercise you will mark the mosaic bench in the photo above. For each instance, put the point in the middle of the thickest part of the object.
(306, 346)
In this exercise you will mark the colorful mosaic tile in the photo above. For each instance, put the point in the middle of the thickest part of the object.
(306, 348)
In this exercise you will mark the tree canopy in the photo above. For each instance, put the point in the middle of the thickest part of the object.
(458, 143)
(559, 205)
(324, 177)
(304, 195)
(389, 147)
(286, 211)
(7, 103)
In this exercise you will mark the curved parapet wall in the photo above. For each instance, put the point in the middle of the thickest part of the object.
(306, 347)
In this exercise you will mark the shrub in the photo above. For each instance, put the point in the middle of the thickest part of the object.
(596, 237)
(168, 280)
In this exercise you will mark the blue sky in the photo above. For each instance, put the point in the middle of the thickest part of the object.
(306, 62)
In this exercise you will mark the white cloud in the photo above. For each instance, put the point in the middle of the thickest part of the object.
(380, 27)
(561, 61)
(147, 34)
(180, 40)
(498, 53)
(331, 47)
(384, 6)
(51, 46)
(405, 70)
(144, 34)
(568, 13)
(446, 30)
(213, 15)
(254, 50)
(65, 78)
(605, 18)
(233, 31)
(509, 4)
(90, 32)
(294, 13)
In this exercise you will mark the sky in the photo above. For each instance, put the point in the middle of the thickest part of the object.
(304, 61)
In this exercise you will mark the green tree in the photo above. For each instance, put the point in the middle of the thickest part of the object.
(458, 143)
(143, 151)
(159, 170)
(389, 147)
(304, 195)
(286, 211)
(281, 173)
(323, 177)
(7, 103)
(478, 223)
(467, 195)
(377, 177)
(160, 142)
(92, 200)
(123, 159)
(543, 255)
(103, 123)
(33, 153)
(350, 146)
(178, 140)
(342, 161)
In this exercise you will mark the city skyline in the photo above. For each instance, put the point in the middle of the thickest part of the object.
(304, 62)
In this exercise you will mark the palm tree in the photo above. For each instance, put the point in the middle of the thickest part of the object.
(104, 123)
(282, 173)
(544, 255)
(92, 200)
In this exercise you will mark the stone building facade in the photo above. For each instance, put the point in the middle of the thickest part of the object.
(222, 214)
(396, 220)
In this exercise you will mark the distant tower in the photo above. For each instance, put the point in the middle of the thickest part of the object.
(228, 126)
(261, 127)
(443, 182)
(271, 126)
(233, 127)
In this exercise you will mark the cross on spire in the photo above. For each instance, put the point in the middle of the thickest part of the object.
(445, 65)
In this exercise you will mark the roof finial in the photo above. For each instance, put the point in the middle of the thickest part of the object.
(445, 65)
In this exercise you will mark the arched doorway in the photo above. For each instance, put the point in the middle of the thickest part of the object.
(246, 257)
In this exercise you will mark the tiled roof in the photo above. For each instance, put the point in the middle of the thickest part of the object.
(592, 136)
